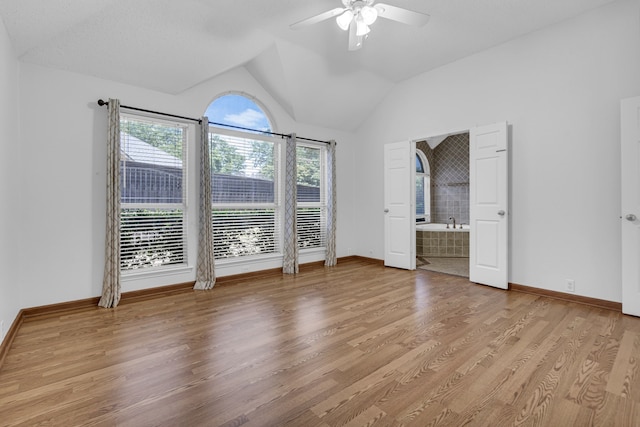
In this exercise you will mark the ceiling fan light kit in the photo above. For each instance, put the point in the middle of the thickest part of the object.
(357, 15)
(362, 29)
(369, 14)
(345, 19)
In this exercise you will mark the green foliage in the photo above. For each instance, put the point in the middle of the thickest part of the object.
(262, 155)
(225, 158)
(167, 138)
(308, 160)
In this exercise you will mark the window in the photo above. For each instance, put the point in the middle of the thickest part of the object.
(238, 110)
(244, 173)
(311, 210)
(153, 199)
(246, 183)
(245, 202)
(423, 188)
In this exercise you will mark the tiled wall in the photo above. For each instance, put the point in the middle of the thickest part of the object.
(449, 163)
(451, 244)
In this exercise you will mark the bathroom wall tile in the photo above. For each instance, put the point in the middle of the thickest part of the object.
(450, 180)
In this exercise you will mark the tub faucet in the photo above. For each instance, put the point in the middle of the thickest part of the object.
(454, 222)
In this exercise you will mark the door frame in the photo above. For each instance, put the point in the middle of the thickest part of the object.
(445, 134)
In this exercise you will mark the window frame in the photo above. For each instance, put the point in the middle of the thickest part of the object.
(322, 203)
(259, 104)
(188, 244)
(277, 197)
(426, 183)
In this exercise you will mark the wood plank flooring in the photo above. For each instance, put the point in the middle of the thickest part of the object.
(353, 345)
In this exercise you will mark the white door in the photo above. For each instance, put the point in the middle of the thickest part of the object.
(399, 213)
(488, 193)
(630, 221)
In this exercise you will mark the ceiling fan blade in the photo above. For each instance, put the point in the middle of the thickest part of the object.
(399, 14)
(355, 41)
(318, 18)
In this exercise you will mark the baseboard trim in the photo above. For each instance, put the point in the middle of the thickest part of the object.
(134, 296)
(6, 343)
(594, 302)
(363, 259)
(151, 293)
(53, 309)
(145, 294)
(82, 304)
(225, 280)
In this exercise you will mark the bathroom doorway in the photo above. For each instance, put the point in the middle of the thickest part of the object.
(442, 204)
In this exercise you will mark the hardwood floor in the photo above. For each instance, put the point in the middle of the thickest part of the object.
(357, 344)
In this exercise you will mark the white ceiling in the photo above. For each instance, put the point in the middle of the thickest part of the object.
(171, 45)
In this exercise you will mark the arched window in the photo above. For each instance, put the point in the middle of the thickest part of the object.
(247, 210)
(244, 178)
(239, 110)
(423, 188)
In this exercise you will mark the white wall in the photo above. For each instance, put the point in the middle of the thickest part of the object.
(560, 89)
(9, 192)
(63, 190)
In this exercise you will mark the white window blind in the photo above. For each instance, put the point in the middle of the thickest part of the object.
(153, 198)
(241, 232)
(311, 209)
(245, 202)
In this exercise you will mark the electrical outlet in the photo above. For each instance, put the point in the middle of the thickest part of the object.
(571, 285)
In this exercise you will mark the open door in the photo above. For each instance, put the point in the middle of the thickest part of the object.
(399, 202)
(488, 193)
(630, 219)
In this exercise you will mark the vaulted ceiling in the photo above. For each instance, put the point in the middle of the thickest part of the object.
(171, 46)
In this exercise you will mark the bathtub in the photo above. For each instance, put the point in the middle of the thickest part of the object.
(441, 227)
(436, 240)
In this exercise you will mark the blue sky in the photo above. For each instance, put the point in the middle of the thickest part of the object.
(237, 110)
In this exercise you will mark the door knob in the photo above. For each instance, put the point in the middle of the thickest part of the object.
(386, 211)
(631, 217)
(501, 212)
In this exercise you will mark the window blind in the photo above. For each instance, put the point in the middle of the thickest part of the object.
(245, 208)
(153, 200)
(311, 209)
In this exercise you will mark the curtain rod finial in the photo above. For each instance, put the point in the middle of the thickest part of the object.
(102, 103)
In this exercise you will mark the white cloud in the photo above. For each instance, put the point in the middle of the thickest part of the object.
(248, 118)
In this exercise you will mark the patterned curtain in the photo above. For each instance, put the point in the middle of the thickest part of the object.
(206, 274)
(290, 261)
(111, 281)
(330, 256)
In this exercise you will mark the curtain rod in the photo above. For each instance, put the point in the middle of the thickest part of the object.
(282, 135)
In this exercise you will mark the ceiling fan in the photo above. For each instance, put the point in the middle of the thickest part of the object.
(357, 15)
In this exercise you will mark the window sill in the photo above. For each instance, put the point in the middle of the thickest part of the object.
(267, 257)
(247, 259)
(321, 250)
(156, 272)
